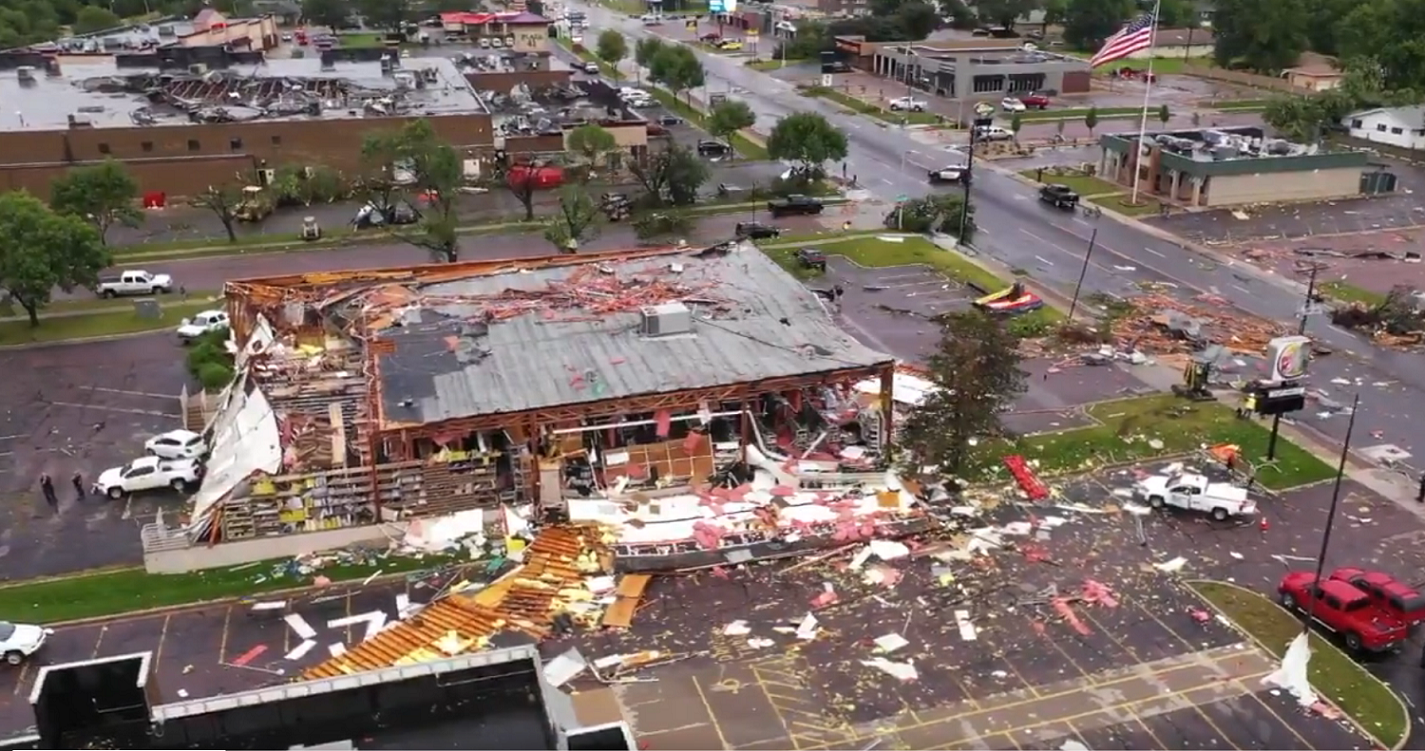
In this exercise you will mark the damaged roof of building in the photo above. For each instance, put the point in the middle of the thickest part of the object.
(573, 331)
(99, 93)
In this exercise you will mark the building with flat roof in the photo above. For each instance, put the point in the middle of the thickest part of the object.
(378, 397)
(979, 69)
(1232, 166)
(497, 699)
(181, 129)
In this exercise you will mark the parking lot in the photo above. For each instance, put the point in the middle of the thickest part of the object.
(1065, 632)
(80, 408)
(219, 649)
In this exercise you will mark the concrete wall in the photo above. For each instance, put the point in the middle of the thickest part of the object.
(1269, 187)
(159, 558)
(182, 160)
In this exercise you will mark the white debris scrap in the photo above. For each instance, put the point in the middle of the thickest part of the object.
(808, 628)
(901, 671)
(737, 628)
(1291, 676)
(1171, 567)
(1073, 745)
(890, 643)
(564, 668)
(888, 550)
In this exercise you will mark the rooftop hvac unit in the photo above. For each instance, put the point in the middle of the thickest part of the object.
(668, 319)
(26, 73)
(167, 31)
(197, 69)
(1224, 153)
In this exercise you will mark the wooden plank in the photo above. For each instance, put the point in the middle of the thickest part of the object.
(630, 591)
(338, 433)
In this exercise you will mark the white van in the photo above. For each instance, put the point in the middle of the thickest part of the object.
(651, 20)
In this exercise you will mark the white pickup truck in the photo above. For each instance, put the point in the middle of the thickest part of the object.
(1187, 490)
(907, 104)
(148, 473)
(130, 283)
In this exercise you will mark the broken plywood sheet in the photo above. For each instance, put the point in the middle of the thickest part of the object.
(630, 593)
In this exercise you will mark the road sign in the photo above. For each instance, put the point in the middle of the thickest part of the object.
(826, 79)
(902, 198)
(984, 109)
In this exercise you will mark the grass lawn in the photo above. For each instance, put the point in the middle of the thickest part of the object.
(1104, 113)
(866, 108)
(747, 146)
(1153, 426)
(1164, 66)
(1347, 292)
(361, 40)
(127, 590)
(875, 251)
(766, 65)
(98, 324)
(1334, 674)
(101, 304)
(1241, 105)
(1082, 184)
(1146, 206)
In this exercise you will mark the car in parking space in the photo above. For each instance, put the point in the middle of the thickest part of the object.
(148, 473)
(757, 231)
(795, 205)
(190, 329)
(1340, 607)
(712, 149)
(836, 66)
(1395, 597)
(21, 640)
(907, 104)
(592, 68)
(730, 45)
(176, 444)
(993, 133)
(1059, 196)
(1010, 104)
(1035, 101)
(812, 258)
(711, 37)
(952, 174)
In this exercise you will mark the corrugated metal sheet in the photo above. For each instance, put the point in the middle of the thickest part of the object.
(767, 325)
(525, 600)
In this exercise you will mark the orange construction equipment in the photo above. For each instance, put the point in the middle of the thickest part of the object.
(1024, 475)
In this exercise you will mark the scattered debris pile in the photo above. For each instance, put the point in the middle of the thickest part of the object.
(1396, 321)
(1161, 324)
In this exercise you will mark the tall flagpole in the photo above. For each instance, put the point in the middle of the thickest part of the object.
(1147, 91)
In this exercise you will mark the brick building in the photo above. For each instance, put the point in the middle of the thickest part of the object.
(181, 129)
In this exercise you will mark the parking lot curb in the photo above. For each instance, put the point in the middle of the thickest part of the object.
(82, 340)
(1405, 710)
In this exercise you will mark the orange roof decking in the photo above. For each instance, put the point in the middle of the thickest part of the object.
(525, 600)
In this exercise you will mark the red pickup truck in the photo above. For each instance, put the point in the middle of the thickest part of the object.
(1035, 101)
(1389, 594)
(1341, 607)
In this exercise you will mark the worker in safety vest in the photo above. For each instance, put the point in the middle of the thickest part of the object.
(1249, 405)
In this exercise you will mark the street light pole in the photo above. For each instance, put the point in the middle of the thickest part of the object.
(1330, 516)
(1074, 304)
(965, 201)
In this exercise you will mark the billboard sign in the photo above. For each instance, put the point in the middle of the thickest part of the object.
(1288, 356)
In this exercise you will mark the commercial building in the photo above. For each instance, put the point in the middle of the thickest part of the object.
(497, 699)
(981, 69)
(1314, 72)
(374, 398)
(1179, 43)
(1231, 166)
(520, 32)
(1401, 127)
(181, 129)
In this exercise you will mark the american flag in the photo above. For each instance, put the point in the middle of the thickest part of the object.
(1136, 36)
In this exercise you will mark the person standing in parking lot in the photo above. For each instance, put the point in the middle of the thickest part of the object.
(47, 488)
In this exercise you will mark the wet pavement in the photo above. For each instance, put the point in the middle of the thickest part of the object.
(1355, 259)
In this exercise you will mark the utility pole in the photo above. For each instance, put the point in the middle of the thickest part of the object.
(1330, 515)
(1074, 304)
(965, 178)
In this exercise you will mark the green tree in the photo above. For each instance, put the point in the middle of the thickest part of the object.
(807, 139)
(937, 212)
(1055, 11)
(575, 221)
(917, 19)
(958, 14)
(677, 69)
(385, 14)
(1306, 118)
(1177, 14)
(594, 144)
(1164, 114)
(1380, 42)
(1264, 35)
(728, 117)
(671, 177)
(423, 169)
(94, 18)
(1016, 122)
(102, 194)
(1088, 22)
(1004, 13)
(663, 224)
(977, 374)
(332, 13)
(612, 48)
(1091, 120)
(41, 250)
(644, 52)
(1327, 18)
(223, 200)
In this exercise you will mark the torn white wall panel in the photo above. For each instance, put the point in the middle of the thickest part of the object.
(245, 441)
(906, 388)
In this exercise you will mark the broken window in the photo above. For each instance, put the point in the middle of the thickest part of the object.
(147, 146)
(103, 148)
(235, 144)
(193, 144)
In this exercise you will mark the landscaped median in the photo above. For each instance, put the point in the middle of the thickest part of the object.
(749, 146)
(1096, 190)
(863, 107)
(115, 592)
(1334, 675)
(59, 323)
(1152, 427)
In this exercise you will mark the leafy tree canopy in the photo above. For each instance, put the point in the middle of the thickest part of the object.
(1263, 35)
(102, 194)
(1088, 22)
(808, 139)
(41, 250)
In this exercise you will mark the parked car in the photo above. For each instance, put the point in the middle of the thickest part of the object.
(836, 66)
(795, 205)
(1010, 104)
(591, 68)
(209, 320)
(713, 149)
(711, 37)
(757, 231)
(1344, 609)
(1194, 492)
(949, 175)
(993, 133)
(1395, 597)
(129, 283)
(1059, 196)
(1035, 101)
(148, 473)
(730, 45)
(811, 258)
(907, 104)
(21, 640)
(176, 444)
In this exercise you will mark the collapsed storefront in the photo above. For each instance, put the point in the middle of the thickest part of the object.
(584, 388)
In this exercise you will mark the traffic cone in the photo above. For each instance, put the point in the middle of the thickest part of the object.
(1264, 525)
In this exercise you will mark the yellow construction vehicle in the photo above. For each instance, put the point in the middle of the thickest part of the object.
(256, 204)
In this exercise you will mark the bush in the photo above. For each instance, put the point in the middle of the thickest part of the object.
(210, 348)
(662, 224)
(214, 376)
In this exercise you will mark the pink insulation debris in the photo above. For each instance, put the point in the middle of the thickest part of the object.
(663, 421)
(708, 536)
(1066, 611)
(693, 442)
(782, 491)
(826, 598)
(1098, 593)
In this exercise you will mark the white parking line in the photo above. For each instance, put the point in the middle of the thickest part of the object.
(148, 394)
(1154, 252)
(124, 410)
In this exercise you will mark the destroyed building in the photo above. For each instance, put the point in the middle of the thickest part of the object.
(179, 130)
(632, 389)
(1233, 166)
